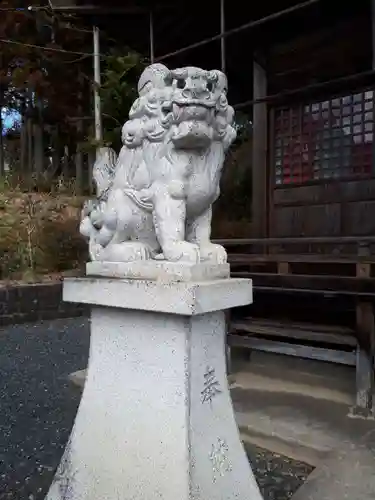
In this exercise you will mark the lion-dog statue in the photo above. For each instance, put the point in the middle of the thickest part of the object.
(155, 200)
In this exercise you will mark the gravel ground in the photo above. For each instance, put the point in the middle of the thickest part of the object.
(38, 406)
(37, 403)
(278, 476)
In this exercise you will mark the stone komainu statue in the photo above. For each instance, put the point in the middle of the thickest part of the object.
(155, 200)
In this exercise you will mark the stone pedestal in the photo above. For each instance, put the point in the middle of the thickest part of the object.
(156, 419)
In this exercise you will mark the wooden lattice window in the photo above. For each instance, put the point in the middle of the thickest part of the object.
(331, 139)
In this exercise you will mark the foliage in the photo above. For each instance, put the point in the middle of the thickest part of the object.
(118, 92)
(39, 235)
(45, 77)
(232, 212)
(28, 72)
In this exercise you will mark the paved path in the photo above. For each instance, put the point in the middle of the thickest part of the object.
(37, 403)
(38, 406)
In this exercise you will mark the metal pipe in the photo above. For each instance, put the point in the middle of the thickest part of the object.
(232, 31)
(97, 82)
(152, 48)
(222, 31)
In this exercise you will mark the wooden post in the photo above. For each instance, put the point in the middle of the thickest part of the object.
(365, 359)
(373, 32)
(365, 318)
(228, 358)
(283, 268)
(365, 330)
(259, 163)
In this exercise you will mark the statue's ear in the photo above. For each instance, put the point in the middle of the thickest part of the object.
(145, 89)
(168, 79)
(219, 79)
(213, 75)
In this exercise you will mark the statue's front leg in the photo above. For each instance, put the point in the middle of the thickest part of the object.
(169, 221)
(198, 231)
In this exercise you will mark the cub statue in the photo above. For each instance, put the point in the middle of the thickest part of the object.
(154, 201)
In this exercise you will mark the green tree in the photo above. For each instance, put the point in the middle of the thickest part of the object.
(118, 92)
(45, 71)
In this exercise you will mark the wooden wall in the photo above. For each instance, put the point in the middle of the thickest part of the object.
(312, 203)
(335, 208)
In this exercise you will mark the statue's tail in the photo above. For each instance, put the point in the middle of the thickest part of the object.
(104, 170)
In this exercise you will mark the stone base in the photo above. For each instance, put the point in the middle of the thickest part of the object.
(155, 419)
(187, 299)
(162, 271)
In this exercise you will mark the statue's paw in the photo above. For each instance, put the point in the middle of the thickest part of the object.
(95, 251)
(181, 251)
(212, 253)
(86, 228)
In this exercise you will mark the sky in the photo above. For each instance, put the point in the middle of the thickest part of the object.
(10, 119)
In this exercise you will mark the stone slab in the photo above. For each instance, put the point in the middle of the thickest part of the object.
(78, 378)
(347, 473)
(161, 271)
(183, 298)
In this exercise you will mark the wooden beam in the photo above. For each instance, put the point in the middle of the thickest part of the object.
(299, 351)
(325, 283)
(259, 163)
(365, 356)
(290, 330)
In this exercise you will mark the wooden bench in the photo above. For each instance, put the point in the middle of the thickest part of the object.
(308, 341)
(317, 267)
(293, 339)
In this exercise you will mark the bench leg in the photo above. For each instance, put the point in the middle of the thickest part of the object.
(228, 359)
(365, 360)
(364, 383)
(234, 354)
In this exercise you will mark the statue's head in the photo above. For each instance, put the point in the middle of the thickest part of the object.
(199, 107)
(186, 106)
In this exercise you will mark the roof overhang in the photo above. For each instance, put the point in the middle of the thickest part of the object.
(189, 32)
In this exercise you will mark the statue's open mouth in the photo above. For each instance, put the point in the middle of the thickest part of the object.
(194, 102)
(192, 110)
